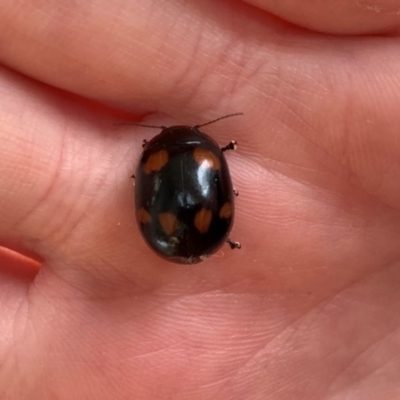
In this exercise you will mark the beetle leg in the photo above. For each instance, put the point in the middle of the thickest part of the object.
(133, 177)
(230, 146)
(144, 143)
(233, 245)
(235, 192)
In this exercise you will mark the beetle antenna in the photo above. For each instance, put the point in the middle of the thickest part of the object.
(136, 124)
(218, 119)
(164, 127)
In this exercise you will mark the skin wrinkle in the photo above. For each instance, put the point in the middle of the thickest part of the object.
(217, 382)
(245, 65)
(21, 321)
(300, 168)
(24, 218)
(27, 334)
(341, 373)
(233, 58)
(294, 113)
(318, 83)
(149, 353)
(305, 90)
(210, 288)
(212, 345)
(354, 361)
(305, 138)
(187, 67)
(92, 277)
(181, 78)
(378, 199)
(324, 302)
(106, 344)
(344, 153)
(8, 358)
(53, 182)
(89, 200)
(264, 346)
(78, 221)
(311, 129)
(351, 178)
(195, 90)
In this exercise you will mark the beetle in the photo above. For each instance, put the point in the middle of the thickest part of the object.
(184, 198)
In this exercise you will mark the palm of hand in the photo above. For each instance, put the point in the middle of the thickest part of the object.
(307, 309)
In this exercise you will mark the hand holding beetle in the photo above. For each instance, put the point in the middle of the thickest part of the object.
(308, 308)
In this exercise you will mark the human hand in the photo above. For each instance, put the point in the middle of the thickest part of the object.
(308, 308)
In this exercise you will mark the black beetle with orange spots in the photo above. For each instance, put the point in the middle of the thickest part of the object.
(184, 195)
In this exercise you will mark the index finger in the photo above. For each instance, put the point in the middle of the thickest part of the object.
(129, 54)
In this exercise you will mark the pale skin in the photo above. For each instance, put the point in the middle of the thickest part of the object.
(308, 308)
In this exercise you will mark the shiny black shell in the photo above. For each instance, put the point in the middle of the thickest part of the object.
(183, 195)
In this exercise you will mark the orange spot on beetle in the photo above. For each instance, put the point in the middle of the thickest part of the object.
(226, 211)
(206, 158)
(168, 222)
(202, 220)
(156, 161)
(143, 216)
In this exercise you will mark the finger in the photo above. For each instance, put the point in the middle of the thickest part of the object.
(124, 53)
(102, 49)
(337, 16)
(39, 147)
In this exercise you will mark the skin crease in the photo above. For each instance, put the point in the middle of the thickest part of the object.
(308, 308)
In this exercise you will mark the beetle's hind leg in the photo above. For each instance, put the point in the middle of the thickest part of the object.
(234, 245)
(232, 145)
